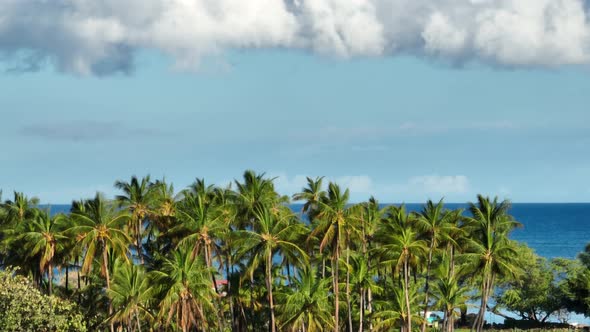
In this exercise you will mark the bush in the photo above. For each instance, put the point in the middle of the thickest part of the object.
(24, 308)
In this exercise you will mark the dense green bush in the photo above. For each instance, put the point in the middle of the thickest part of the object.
(24, 308)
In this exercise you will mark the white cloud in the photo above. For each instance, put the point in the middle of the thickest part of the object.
(436, 184)
(413, 189)
(102, 36)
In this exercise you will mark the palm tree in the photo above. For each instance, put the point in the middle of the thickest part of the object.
(313, 194)
(449, 295)
(16, 214)
(332, 218)
(367, 215)
(256, 192)
(186, 289)
(491, 253)
(401, 246)
(20, 208)
(273, 233)
(306, 307)
(131, 295)
(42, 236)
(392, 312)
(138, 197)
(436, 224)
(362, 280)
(162, 217)
(200, 227)
(99, 226)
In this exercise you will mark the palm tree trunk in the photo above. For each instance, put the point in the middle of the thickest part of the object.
(50, 278)
(335, 285)
(361, 309)
(407, 291)
(209, 266)
(138, 322)
(348, 287)
(269, 289)
(452, 261)
(370, 307)
(105, 262)
(489, 289)
(478, 322)
(78, 275)
(234, 316)
(67, 276)
(138, 239)
(450, 321)
(426, 285)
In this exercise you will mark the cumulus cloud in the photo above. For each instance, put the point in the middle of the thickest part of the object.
(103, 36)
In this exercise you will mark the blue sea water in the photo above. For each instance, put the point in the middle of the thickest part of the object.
(551, 229)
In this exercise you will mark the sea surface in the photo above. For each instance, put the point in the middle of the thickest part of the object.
(551, 229)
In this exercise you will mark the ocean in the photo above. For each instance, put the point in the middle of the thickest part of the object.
(551, 229)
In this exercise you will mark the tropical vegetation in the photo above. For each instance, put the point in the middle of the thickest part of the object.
(243, 257)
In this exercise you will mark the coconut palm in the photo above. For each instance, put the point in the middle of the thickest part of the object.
(42, 237)
(138, 197)
(99, 227)
(331, 223)
(305, 307)
(131, 294)
(436, 225)
(20, 208)
(449, 295)
(200, 227)
(16, 214)
(392, 312)
(491, 253)
(255, 193)
(401, 247)
(312, 195)
(367, 215)
(162, 216)
(273, 233)
(186, 289)
(362, 280)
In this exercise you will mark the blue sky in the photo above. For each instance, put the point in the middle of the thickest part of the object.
(402, 99)
(402, 129)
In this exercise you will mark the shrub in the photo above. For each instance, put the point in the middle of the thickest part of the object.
(24, 308)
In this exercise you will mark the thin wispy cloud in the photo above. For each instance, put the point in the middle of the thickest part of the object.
(404, 129)
(103, 36)
(84, 131)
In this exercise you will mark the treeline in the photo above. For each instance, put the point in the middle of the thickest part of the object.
(237, 258)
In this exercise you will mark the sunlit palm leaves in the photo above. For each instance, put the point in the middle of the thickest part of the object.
(43, 238)
(187, 291)
(132, 295)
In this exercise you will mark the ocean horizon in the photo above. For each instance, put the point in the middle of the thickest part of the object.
(551, 229)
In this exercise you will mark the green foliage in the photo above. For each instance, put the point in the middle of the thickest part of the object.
(153, 259)
(24, 308)
(534, 294)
